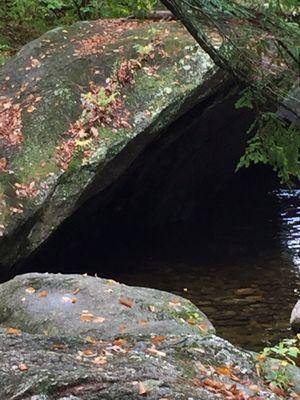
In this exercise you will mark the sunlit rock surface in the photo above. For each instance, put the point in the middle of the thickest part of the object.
(76, 337)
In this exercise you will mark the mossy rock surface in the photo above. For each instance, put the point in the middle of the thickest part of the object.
(41, 95)
(144, 345)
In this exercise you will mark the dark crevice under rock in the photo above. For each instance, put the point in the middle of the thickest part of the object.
(188, 164)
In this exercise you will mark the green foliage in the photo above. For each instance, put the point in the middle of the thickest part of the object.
(288, 353)
(277, 143)
(22, 20)
(278, 378)
(257, 42)
(287, 350)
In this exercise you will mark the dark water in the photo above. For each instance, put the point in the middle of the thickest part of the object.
(238, 260)
(239, 263)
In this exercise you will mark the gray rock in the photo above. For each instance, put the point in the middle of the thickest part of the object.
(81, 305)
(46, 81)
(67, 358)
(295, 318)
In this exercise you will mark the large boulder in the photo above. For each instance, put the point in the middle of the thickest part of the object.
(79, 106)
(70, 101)
(80, 305)
(84, 338)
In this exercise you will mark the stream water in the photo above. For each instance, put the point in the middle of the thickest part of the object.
(238, 259)
(239, 263)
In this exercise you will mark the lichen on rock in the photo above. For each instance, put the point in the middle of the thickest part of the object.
(74, 99)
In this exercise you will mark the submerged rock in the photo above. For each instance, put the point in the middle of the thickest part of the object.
(295, 318)
(130, 343)
(82, 105)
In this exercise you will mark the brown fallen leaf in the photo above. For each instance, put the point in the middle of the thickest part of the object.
(35, 63)
(87, 317)
(3, 164)
(158, 339)
(153, 350)
(100, 360)
(119, 342)
(142, 389)
(43, 294)
(23, 367)
(203, 327)
(174, 301)
(13, 331)
(88, 353)
(126, 302)
(30, 109)
(58, 346)
(142, 321)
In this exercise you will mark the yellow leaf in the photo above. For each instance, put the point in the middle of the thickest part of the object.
(30, 290)
(13, 331)
(87, 317)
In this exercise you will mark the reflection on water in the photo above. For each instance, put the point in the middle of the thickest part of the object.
(240, 263)
(290, 217)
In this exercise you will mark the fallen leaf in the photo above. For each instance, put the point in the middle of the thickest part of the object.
(3, 164)
(58, 346)
(126, 302)
(142, 389)
(203, 327)
(23, 367)
(226, 371)
(43, 294)
(35, 63)
(66, 299)
(88, 353)
(142, 321)
(98, 320)
(100, 361)
(158, 339)
(30, 109)
(119, 342)
(91, 340)
(13, 331)
(30, 290)
(153, 350)
(152, 308)
(76, 291)
(87, 317)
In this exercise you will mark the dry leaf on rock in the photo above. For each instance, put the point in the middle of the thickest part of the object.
(126, 302)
